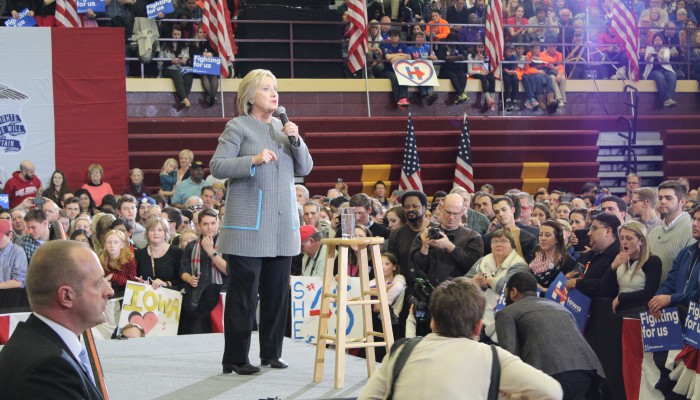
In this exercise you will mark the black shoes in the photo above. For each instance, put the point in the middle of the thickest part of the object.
(244, 369)
(274, 363)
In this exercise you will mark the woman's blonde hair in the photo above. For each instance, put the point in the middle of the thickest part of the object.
(640, 231)
(135, 170)
(247, 88)
(95, 167)
(125, 255)
(152, 223)
(168, 162)
(75, 222)
(187, 153)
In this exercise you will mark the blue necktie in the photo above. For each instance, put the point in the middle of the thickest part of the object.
(86, 364)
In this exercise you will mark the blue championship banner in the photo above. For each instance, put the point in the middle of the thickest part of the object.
(24, 20)
(164, 6)
(663, 333)
(692, 325)
(576, 302)
(94, 5)
(206, 65)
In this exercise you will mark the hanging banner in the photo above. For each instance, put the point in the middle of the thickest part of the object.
(156, 311)
(306, 308)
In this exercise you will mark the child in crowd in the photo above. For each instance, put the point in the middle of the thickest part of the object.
(168, 177)
(480, 69)
(511, 79)
(394, 51)
(453, 69)
(117, 260)
(423, 51)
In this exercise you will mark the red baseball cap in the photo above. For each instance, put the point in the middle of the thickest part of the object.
(5, 227)
(306, 231)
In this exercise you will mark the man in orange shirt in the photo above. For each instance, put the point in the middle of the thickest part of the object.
(555, 70)
(438, 28)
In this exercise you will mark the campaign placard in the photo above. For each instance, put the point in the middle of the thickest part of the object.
(662, 333)
(5, 201)
(94, 5)
(501, 301)
(692, 325)
(156, 311)
(306, 308)
(576, 302)
(206, 65)
(415, 73)
(164, 6)
(24, 20)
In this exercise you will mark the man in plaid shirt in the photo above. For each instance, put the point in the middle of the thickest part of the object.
(38, 226)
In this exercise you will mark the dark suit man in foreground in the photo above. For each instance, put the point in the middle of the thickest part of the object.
(68, 294)
(544, 334)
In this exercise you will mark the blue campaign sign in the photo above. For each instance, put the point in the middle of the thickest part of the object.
(5, 201)
(164, 6)
(661, 333)
(94, 5)
(579, 305)
(557, 290)
(24, 20)
(692, 325)
(576, 302)
(501, 301)
(206, 65)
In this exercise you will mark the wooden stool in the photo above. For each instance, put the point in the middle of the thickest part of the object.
(342, 302)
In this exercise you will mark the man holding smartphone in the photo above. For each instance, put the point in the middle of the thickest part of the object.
(23, 184)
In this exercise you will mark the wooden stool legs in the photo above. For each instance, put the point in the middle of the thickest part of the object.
(342, 302)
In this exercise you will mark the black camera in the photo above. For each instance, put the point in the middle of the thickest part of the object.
(420, 300)
(434, 233)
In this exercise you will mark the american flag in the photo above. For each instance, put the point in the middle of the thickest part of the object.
(216, 21)
(67, 14)
(625, 27)
(464, 174)
(357, 46)
(494, 36)
(410, 171)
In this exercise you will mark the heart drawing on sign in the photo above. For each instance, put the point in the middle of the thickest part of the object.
(147, 321)
(417, 71)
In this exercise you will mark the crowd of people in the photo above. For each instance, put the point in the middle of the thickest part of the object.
(547, 42)
(631, 253)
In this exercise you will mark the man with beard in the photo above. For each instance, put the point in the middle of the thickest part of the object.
(667, 240)
(483, 203)
(414, 204)
(23, 184)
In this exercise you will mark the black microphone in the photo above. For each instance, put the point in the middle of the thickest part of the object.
(282, 112)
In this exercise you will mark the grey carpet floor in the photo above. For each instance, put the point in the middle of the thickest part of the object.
(189, 367)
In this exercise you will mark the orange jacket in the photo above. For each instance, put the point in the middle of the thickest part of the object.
(441, 31)
(557, 58)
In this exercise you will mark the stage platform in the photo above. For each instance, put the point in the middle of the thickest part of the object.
(189, 367)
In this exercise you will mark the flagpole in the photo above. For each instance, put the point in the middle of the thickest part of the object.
(369, 113)
(500, 73)
(221, 90)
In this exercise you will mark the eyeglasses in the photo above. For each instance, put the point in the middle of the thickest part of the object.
(500, 242)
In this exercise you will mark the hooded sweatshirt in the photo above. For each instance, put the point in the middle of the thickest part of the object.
(19, 189)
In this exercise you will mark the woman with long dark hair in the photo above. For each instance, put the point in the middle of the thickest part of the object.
(58, 188)
(552, 256)
(179, 55)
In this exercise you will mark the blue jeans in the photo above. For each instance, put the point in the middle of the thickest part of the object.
(665, 82)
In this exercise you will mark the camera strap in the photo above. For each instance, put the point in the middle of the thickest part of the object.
(407, 346)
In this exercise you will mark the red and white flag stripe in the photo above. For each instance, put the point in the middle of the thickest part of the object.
(625, 27)
(494, 36)
(67, 14)
(357, 46)
(216, 21)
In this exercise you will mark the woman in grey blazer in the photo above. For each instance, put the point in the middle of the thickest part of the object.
(260, 232)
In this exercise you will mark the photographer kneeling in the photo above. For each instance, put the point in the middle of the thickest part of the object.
(450, 364)
(450, 250)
